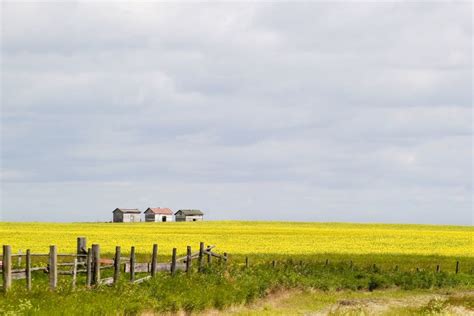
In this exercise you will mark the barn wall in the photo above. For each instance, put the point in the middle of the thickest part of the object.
(189, 218)
(195, 218)
(158, 218)
(131, 218)
(118, 217)
(135, 218)
(149, 217)
(169, 218)
(126, 218)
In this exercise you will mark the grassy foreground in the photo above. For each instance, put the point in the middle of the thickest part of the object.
(220, 287)
(309, 257)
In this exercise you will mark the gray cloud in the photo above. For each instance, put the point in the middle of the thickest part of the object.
(308, 111)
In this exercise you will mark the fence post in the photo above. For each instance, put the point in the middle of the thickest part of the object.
(273, 263)
(117, 264)
(201, 254)
(81, 248)
(154, 260)
(53, 267)
(457, 267)
(89, 267)
(437, 268)
(132, 264)
(209, 257)
(28, 269)
(247, 262)
(173, 262)
(19, 258)
(188, 259)
(74, 273)
(7, 267)
(95, 264)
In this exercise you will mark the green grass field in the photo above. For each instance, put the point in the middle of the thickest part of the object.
(399, 259)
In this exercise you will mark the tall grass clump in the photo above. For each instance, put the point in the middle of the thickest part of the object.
(217, 287)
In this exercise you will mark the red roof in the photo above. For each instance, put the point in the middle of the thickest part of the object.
(159, 210)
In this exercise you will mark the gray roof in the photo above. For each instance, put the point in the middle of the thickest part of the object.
(128, 210)
(190, 212)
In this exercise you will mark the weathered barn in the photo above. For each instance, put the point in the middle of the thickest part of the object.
(189, 216)
(126, 215)
(157, 214)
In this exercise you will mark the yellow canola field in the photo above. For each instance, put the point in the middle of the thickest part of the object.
(239, 237)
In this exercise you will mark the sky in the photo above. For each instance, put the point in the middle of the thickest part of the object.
(301, 111)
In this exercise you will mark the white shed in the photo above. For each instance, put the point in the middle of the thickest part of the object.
(189, 216)
(126, 215)
(158, 214)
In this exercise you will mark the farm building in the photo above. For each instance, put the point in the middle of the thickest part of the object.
(126, 215)
(158, 214)
(189, 216)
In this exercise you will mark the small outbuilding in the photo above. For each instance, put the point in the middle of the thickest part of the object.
(126, 215)
(158, 214)
(189, 216)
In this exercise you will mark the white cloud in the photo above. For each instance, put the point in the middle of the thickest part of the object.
(342, 111)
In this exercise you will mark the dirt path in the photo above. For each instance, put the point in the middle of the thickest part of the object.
(429, 304)
(318, 303)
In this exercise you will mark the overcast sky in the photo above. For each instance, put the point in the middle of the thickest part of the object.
(344, 111)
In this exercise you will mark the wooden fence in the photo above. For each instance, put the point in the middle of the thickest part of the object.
(89, 261)
(351, 266)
